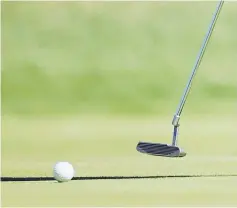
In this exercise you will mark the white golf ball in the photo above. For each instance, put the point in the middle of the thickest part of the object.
(63, 171)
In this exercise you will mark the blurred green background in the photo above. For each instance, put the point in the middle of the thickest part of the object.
(115, 57)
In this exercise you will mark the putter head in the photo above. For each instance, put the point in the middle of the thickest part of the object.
(158, 149)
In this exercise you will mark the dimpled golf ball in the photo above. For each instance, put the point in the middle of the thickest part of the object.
(63, 171)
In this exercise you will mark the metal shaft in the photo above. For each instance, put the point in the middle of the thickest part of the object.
(176, 118)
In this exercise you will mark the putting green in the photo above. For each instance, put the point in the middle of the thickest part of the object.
(106, 147)
(84, 82)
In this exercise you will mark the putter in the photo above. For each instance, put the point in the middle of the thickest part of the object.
(166, 150)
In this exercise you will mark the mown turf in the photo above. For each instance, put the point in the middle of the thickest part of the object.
(106, 147)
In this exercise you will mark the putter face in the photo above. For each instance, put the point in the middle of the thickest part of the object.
(158, 149)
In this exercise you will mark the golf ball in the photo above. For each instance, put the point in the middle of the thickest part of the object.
(63, 171)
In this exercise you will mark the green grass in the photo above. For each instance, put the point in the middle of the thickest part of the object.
(99, 146)
(119, 58)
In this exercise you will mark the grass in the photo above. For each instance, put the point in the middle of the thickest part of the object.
(124, 193)
(83, 57)
(106, 147)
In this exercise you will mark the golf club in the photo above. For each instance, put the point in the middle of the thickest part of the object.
(165, 150)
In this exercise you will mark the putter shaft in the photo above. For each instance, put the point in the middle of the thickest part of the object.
(176, 118)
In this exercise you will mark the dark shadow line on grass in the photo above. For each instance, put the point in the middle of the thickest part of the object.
(12, 179)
